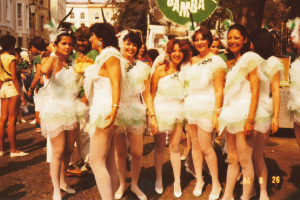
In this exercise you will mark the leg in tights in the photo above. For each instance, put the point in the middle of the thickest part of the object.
(197, 155)
(245, 149)
(136, 151)
(233, 165)
(70, 138)
(159, 148)
(112, 165)
(259, 164)
(57, 145)
(102, 156)
(297, 133)
(205, 141)
(121, 151)
(174, 142)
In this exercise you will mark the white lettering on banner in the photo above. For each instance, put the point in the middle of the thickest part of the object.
(184, 7)
(194, 6)
(201, 5)
(170, 3)
(176, 6)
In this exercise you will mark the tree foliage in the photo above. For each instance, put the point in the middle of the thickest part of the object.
(131, 13)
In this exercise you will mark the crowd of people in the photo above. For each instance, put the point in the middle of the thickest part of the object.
(103, 91)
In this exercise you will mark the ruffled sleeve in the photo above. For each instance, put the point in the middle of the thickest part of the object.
(136, 76)
(94, 69)
(246, 64)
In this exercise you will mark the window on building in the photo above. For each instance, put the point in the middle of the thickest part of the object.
(82, 24)
(42, 24)
(107, 16)
(20, 40)
(97, 16)
(72, 15)
(19, 14)
(41, 2)
(82, 15)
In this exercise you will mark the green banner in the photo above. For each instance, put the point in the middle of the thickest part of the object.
(177, 10)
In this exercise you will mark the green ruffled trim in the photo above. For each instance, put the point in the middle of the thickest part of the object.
(100, 122)
(242, 74)
(242, 122)
(134, 122)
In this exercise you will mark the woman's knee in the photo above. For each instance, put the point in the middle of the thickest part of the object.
(159, 147)
(121, 153)
(136, 155)
(174, 148)
(246, 162)
(233, 159)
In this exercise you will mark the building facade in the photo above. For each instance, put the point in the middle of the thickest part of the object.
(16, 20)
(88, 12)
(57, 9)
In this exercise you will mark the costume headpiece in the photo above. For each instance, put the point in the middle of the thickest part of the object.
(294, 25)
(55, 29)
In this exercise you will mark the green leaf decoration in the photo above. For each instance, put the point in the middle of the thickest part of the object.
(292, 25)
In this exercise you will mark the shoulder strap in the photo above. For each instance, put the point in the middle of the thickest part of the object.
(3, 67)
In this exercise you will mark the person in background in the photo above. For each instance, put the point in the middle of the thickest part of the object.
(143, 56)
(83, 46)
(215, 46)
(153, 53)
(36, 46)
(291, 51)
(10, 95)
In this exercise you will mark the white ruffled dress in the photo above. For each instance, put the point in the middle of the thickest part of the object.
(168, 102)
(237, 98)
(294, 103)
(199, 103)
(137, 73)
(99, 92)
(266, 71)
(38, 97)
(61, 108)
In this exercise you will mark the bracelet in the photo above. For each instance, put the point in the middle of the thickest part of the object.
(53, 54)
(250, 122)
(115, 105)
(30, 88)
(152, 116)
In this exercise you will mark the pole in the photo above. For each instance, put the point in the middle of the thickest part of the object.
(33, 25)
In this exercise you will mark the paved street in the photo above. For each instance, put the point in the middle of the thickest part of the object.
(28, 177)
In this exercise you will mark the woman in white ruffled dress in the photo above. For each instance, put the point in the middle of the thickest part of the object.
(105, 88)
(271, 72)
(241, 114)
(167, 89)
(61, 109)
(294, 103)
(204, 96)
(139, 85)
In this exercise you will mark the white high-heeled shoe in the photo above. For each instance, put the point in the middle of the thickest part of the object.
(158, 191)
(68, 190)
(215, 197)
(197, 193)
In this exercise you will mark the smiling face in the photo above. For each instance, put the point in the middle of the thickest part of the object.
(64, 46)
(235, 41)
(176, 55)
(129, 49)
(200, 43)
(215, 47)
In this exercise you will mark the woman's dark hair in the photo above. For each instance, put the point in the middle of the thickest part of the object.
(7, 42)
(262, 42)
(206, 35)
(153, 53)
(246, 47)
(107, 32)
(185, 49)
(68, 34)
(135, 38)
(146, 50)
(38, 43)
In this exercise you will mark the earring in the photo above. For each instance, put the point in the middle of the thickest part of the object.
(99, 43)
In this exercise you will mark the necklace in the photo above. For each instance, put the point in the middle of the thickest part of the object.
(131, 66)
